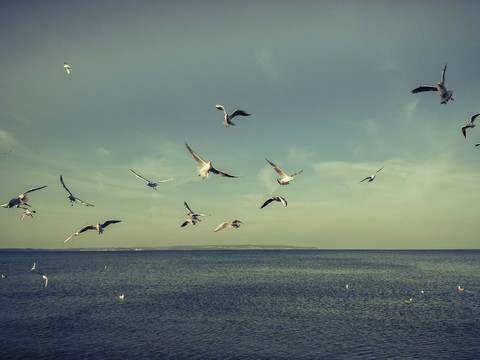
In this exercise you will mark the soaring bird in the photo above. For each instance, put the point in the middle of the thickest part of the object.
(71, 197)
(274, 198)
(43, 276)
(21, 199)
(285, 178)
(152, 184)
(235, 224)
(193, 215)
(206, 168)
(445, 94)
(371, 177)
(470, 124)
(227, 121)
(67, 67)
(98, 227)
(27, 212)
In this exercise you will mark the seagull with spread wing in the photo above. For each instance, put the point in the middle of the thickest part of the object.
(445, 94)
(227, 121)
(371, 177)
(21, 199)
(98, 227)
(285, 180)
(470, 124)
(274, 198)
(71, 197)
(152, 184)
(235, 224)
(193, 215)
(206, 168)
(27, 212)
(67, 67)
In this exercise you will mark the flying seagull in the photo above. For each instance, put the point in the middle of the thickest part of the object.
(445, 94)
(274, 198)
(206, 168)
(235, 224)
(470, 124)
(285, 178)
(98, 227)
(71, 197)
(44, 277)
(227, 121)
(191, 214)
(27, 213)
(371, 177)
(189, 221)
(67, 67)
(152, 184)
(21, 199)
(34, 267)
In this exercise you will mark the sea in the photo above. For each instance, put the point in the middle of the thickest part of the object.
(240, 304)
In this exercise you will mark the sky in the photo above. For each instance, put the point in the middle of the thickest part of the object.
(328, 84)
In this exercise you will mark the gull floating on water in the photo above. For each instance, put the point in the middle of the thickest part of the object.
(21, 199)
(445, 94)
(206, 168)
(71, 197)
(121, 297)
(98, 227)
(274, 198)
(227, 121)
(152, 184)
(235, 224)
(371, 177)
(285, 178)
(67, 67)
(409, 301)
(460, 288)
(470, 124)
(27, 213)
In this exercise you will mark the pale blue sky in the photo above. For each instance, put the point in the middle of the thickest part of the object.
(328, 84)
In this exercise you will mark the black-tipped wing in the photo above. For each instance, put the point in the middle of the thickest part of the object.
(195, 156)
(464, 132)
(108, 222)
(34, 189)
(239, 112)
(187, 207)
(277, 169)
(267, 202)
(424, 88)
(63, 184)
(220, 107)
(221, 173)
(139, 176)
(472, 119)
(367, 178)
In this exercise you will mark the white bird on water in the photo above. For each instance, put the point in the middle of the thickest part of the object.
(21, 199)
(121, 297)
(285, 179)
(274, 198)
(206, 168)
(371, 177)
(227, 121)
(71, 197)
(67, 67)
(445, 94)
(235, 224)
(468, 125)
(409, 301)
(152, 184)
(98, 227)
(460, 288)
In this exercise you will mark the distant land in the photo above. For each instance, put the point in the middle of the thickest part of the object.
(177, 248)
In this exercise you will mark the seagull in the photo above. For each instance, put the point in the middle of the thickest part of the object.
(228, 117)
(152, 184)
(67, 67)
(274, 198)
(422, 292)
(191, 214)
(98, 227)
(206, 168)
(460, 288)
(21, 199)
(121, 297)
(44, 277)
(371, 177)
(470, 124)
(285, 178)
(346, 286)
(71, 197)
(235, 224)
(189, 221)
(4, 276)
(27, 213)
(445, 94)
(33, 267)
(409, 301)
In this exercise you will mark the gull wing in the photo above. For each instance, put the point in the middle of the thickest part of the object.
(34, 189)
(472, 119)
(442, 79)
(464, 132)
(283, 201)
(162, 181)
(187, 207)
(277, 169)
(63, 184)
(84, 203)
(379, 170)
(221, 226)
(220, 107)
(368, 177)
(195, 156)
(85, 228)
(139, 176)
(108, 222)
(239, 112)
(424, 88)
(221, 173)
(267, 202)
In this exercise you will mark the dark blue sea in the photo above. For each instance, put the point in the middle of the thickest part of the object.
(244, 304)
